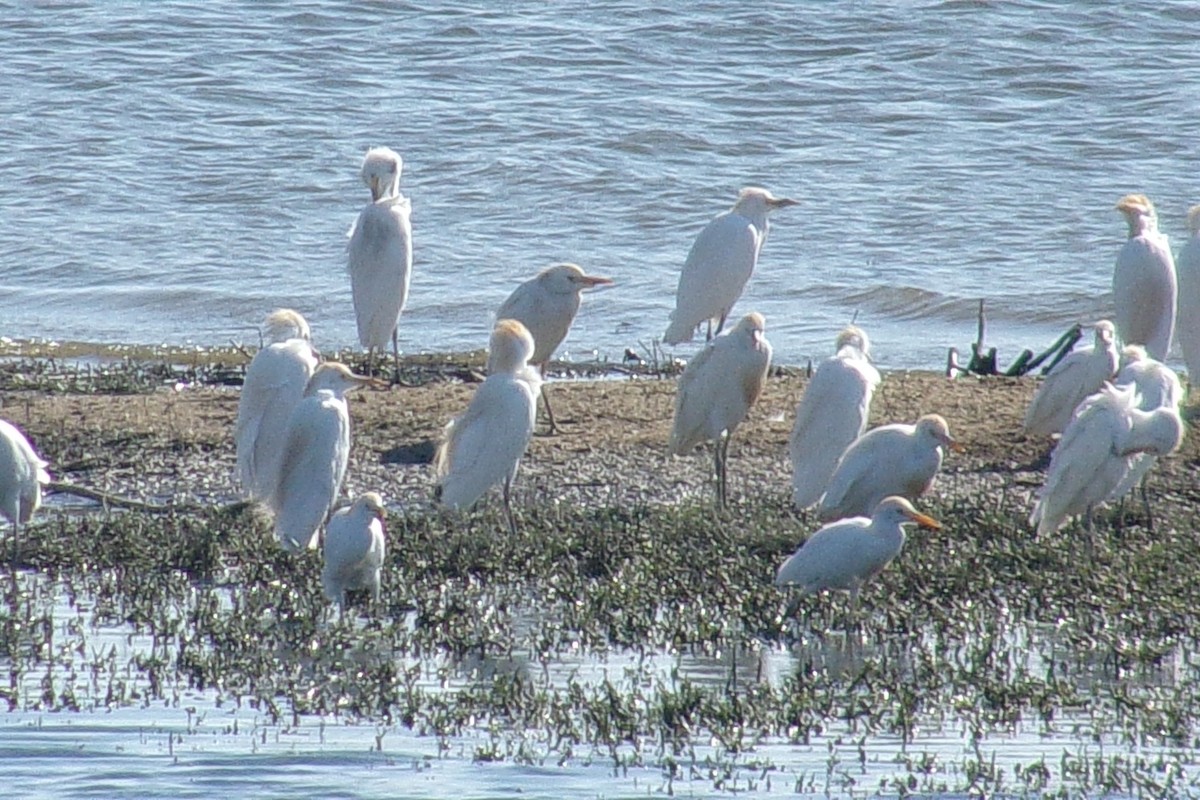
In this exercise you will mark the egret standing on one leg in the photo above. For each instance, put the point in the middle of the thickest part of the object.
(354, 549)
(22, 474)
(315, 454)
(891, 459)
(484, 445)
(717, 390)
(1187, 323)
(546, 305)
(1077, 376)
(846, 554)
(720, 262)
(831, 415)
(1144, 283)
(380, 255)
(275, 382)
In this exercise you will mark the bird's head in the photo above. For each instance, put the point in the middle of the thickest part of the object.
(373, 503)
(934, 427)
(754, 200)
(335, 377)
(753, 325)
(1138, 211)
(898, 511)
(1132, 354)
(381, 172)
(283, 324)
(510, 347)
(853, 336)
(1105, 333)
(569, 279)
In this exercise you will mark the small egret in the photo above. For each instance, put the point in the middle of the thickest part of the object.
(1095, 453)
(717, 390)
(546, 305)
(720, 262)
(316, 451)
(831, 415)
(1076, 377)
(1144, 283)
(1187, 323)
(379, 257)
(891, 459)
(275, 382)
(1156, 386)
(484, 445)
(354, 549)
(846, 554)
(22, 474)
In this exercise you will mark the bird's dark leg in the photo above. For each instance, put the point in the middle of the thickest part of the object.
(721, 323)
(546, 401)
(1146, 501)
(708, 333)
(508, 512)
(371, 361)
(717, 472)
(396, 353)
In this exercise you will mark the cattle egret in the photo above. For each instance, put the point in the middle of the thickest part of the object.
(716, 391)
(1144, 285)
(846, 554)
(720, 262)
(275, 382)
(22, 474)
(1095, 454)
(1156, 386)
(1076, 377)
(315, 453)
(831, 415)
(379, 257)
(1187, 323)
(546, 305)
(354, 549)
(891, 459)
(484, 445)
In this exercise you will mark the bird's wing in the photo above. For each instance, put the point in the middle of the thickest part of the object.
(485, 444)
(1060, 393)
(719, 264)
(1144, 290)
(311, 468)
(832, 413)
(693, 399)
(830, 559)
(871, 468)
(274, 383)
(547, 317)
(379, 259)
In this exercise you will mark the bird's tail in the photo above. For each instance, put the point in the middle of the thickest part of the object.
(678, 331)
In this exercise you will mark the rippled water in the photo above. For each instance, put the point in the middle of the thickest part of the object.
(171, 171)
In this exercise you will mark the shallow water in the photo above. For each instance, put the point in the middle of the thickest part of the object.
(171, 172)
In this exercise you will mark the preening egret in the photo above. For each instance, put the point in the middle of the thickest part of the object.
(1095, 454)
(484, 445)
(1076, 377)
(275, 382)
(831, 415)
(22, 474)
(1187, 323)
(846, 554)
(546, 305)
(315, 453)
(717, 389)
(891, 459)
(1144, 283)
(379, 257)
(354, 548)
(719, 264)
(1156, 386)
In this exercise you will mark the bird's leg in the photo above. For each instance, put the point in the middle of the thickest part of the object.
(717, 474)
(708, 334)
(546, 401)
(396, 353)
(724, 444)
(721, 323)
(371, 361)
(1146, 502)
(508, 512)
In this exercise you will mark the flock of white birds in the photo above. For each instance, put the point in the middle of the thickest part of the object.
(1115, 410)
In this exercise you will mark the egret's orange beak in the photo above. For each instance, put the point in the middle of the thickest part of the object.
(782, 202)
(925, 521)
(591, 281)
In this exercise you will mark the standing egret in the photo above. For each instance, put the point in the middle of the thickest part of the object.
(1076, 377)
(891, 459)
(717, 389)
(1095, 453)
(484, 445)
(546, 305)
(720, 262)
(275, 382)
(1156, 386)
(22, 474)
(1187, 323)
(846, 554)
(354, 549)
(1144, 284)
(831, 415)
(316, 451)
(379, 257)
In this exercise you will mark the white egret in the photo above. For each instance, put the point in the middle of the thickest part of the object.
(720, 262)
(379, 257)
(275, 382)
(1156, 386)
(717, 389)
(316, 451)
(831, 415)
(22, 475)
(354, 548)
(1080, 374)
(1187, 323)
(891, 459)
(1144, 283)
(484, 445)
(1095, 454)
(846, 554)
(546, 305)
